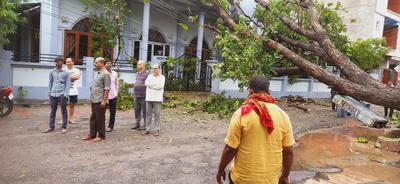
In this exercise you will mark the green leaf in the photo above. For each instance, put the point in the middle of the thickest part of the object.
(193, 18)
(184, 26)
(146, 1)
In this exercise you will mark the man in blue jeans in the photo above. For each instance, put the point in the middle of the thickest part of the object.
(59, 84)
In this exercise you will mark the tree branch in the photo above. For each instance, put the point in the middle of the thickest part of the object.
(237, 5)
(221, 12)
(344, 86)
(212, 28)
(349, 69)
(284, 71)
(332, 54)
(315, 49)
(290, 24)
(381, 95)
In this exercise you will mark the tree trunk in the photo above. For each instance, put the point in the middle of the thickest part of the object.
(358, 84)
(284, 71)
(387, 97)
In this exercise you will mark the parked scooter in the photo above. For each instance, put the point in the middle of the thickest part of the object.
(6, 101)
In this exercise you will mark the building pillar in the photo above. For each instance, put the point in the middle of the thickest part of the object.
(199, 49)
(214, 81)
(178, 44)
(6, 69)
(200, 34)
(145, 32)
(311, 88)
(284, 86)
(89, 71)
(49, 13)
(398, 39)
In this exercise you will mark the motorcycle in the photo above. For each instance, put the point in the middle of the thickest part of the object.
(6, 101)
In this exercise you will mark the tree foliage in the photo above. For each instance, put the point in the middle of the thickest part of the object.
(9, 18)
(245, 56)
(309, 35)
(368, 53)
(107, 24)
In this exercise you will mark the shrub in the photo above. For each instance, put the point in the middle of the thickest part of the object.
(125, 98)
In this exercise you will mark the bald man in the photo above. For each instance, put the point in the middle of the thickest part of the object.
(99, 100)
(154, 96)
(140, 95)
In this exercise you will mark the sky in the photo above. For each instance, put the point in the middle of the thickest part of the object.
(248, 6)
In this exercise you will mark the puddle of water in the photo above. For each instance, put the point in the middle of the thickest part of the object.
(358, 162)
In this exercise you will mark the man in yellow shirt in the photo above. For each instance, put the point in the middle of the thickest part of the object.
(260, 138)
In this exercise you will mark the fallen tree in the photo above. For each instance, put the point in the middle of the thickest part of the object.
(302, 33)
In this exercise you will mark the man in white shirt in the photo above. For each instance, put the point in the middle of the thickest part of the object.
(154, 97)
(73, 91)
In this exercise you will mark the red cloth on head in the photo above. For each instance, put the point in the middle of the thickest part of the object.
(256, 102)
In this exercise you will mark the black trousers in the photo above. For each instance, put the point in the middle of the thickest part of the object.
(113, 110)
(390, 112)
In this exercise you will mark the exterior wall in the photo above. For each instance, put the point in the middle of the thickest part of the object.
(166, 25)
(15, 74)
(49, 13)
(363, 27)
(279, 87)
(71, 11)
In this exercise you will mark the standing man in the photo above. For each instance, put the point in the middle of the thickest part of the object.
(260, 138)
(112, 97)
(59, 84)
(99, 99)
(75, 74)
(389, 111)
(154, 97)
(140, 95)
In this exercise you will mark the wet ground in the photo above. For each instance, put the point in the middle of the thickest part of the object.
(187, 151)
(337, 157)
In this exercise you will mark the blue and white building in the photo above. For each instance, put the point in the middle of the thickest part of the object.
(152, 33)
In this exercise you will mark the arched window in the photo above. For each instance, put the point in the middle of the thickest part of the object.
(156, 36)
(190, 51)
(157, 45)
(78, 41)
(83, 25)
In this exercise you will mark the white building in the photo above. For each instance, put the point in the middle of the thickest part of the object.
(61, 28)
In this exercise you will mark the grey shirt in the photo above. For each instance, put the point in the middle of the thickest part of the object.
(101, 82)
(140, 87)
